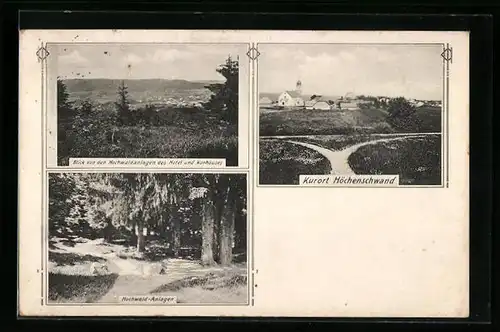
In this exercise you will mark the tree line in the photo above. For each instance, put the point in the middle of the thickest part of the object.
(202, 211)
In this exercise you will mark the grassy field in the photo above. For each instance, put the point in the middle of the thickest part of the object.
(343, 122)
(71, 280)
(157, 142)
(282, 162)
(416, 160)
(319, 122)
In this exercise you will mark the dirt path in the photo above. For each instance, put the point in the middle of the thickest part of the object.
(339, 160)
(313, 136)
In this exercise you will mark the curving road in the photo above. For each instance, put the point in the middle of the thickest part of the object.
(339, 160)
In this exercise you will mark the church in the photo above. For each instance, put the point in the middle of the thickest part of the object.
(296, 99)
(292, 98)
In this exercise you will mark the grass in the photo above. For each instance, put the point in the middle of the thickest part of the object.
(342, 122)
(322, 122)
(416, 160)
(428, 120)
(183, 133)
(79, 288)
(68, 258)
(282, 162)
(157, 142)
(221, 287)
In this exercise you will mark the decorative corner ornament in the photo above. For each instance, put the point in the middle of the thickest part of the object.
(447, 53)
(253, 53)
(42, 53)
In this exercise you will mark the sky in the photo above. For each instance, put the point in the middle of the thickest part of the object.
(379, 70)
(189, 62)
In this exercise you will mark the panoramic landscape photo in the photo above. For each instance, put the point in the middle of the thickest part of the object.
(147, 101)
(153, 235)
(350, 109)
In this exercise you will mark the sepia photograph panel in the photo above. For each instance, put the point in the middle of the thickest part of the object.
(119, 100)
(365, 114)
(147, 239)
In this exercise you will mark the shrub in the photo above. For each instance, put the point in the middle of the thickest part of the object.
(402, 115)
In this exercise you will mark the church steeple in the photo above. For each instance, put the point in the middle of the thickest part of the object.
(298, 87)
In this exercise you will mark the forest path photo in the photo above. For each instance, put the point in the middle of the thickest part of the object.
(177, 235)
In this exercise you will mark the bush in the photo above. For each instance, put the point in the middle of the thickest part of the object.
(383, 128)
(402, 115)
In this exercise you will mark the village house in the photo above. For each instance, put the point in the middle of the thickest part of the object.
(292, 98)
(317, 103)
(321, 105)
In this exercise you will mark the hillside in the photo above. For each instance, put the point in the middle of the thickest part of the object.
(316, 122)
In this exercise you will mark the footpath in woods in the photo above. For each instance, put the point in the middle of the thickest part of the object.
(339, 160)
(133, 275)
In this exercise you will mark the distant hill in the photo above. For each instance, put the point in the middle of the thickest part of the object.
(85, 85)
(106, 89)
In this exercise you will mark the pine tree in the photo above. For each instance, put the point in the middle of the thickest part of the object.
(64, 117)
(224, 101)
(123, 105)
(79, 202)
(61, 187)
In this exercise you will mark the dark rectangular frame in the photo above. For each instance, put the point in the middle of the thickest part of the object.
(304, 17)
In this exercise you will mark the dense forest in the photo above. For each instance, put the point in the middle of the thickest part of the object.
(203, 214)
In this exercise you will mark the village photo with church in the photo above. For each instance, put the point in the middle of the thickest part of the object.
(350, 109)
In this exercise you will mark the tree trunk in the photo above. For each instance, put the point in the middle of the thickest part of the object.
(240, 227)
(207, 230)
(218, 207)
(227, 225)
(141, 238)
(108, 232)
(219, 197)
(176, 232)
(226, 235)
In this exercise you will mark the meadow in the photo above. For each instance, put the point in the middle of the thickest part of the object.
(342, 122)
(179, 133)
(282, 163)
(416, 160)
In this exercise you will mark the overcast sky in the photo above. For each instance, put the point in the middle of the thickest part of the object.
(387, 70)
(189, 62)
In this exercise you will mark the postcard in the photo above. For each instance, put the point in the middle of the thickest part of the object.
(244, 173)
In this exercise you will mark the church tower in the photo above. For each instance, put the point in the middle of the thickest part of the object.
(298, 87)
